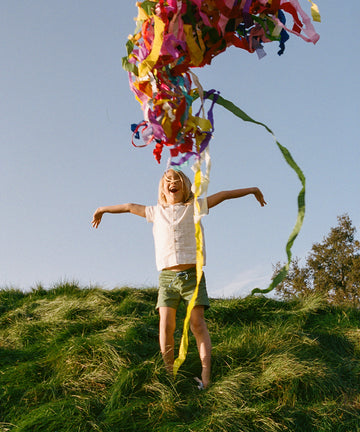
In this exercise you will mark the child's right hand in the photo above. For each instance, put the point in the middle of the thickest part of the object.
(97, 217)
(260, 197)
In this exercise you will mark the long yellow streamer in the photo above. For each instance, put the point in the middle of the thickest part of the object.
(199, 265)
(200, 188)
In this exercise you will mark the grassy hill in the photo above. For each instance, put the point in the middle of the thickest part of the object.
(79, 360)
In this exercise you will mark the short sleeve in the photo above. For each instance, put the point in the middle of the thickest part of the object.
(149, 213)
(204, 210)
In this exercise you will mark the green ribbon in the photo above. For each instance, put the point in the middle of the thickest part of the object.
(301, 197)
(148, 6)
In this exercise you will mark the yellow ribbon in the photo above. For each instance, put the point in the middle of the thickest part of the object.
(200, 187)
(315, 13)
(196, 53)
(148, 64)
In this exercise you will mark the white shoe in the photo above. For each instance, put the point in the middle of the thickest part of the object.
(200, 383)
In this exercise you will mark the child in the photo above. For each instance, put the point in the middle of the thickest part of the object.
(175, 250)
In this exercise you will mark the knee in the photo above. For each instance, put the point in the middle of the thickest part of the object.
(167, 326)
(167, 322)
(198, 327)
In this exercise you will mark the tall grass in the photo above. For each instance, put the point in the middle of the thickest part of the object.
(75, 359)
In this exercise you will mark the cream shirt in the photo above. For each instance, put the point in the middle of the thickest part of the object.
(174, 234)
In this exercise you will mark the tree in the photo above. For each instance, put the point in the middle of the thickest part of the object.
(331, 268)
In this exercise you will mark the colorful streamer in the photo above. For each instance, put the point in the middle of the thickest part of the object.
(174, 36)
(301, 197)
(171, 38)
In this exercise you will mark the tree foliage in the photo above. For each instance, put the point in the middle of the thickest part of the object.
(331, 268)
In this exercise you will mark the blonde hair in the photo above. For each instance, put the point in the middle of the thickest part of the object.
(186, 187)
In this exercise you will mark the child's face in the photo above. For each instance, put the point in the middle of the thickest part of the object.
(173, 187)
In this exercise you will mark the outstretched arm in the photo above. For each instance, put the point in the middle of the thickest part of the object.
(219, 197)
(136, 209)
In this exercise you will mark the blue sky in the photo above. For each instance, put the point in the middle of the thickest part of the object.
(65, 115)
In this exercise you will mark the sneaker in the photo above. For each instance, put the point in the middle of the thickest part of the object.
(200, 383)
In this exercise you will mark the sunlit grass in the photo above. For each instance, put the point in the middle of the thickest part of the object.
(76, 359)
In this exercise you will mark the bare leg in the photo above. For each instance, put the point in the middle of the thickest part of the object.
(166, 336)
(199, 328)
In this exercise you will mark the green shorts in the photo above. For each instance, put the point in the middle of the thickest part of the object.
(177, 286)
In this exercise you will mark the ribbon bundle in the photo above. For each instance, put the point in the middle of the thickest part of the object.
(174, 36)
